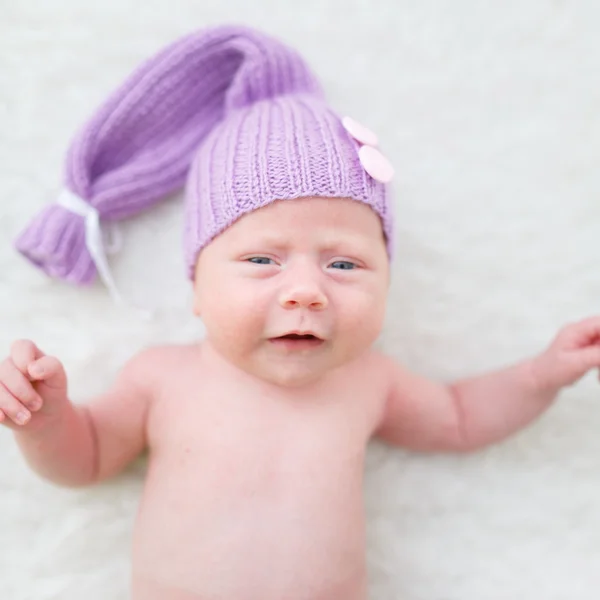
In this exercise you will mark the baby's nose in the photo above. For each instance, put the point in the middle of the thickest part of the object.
(305, 294)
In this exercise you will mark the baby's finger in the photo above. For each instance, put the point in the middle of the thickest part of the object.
(586, 360)
(49, 370)
(24, 352)
(12, 408)
(20, 387)
(585, 332)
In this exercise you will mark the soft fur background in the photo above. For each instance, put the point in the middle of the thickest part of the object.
(489, 111)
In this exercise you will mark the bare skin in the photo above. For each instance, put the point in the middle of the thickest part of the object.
(257, 444)
(246, 468)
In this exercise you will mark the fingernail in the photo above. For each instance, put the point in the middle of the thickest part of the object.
(22, 417)
(36, 370)
(35, 404)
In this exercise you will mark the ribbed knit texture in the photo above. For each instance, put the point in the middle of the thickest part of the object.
(239, 107)
(283, 148)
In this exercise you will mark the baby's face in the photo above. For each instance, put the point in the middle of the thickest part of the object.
(314, 265)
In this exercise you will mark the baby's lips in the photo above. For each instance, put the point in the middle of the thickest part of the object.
(290, 337)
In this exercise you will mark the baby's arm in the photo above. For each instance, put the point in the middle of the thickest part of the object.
(70, 444)
(472, 413)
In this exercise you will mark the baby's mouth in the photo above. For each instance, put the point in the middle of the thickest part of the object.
(295, 341)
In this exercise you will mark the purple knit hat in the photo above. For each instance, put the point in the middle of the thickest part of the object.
(237, 114)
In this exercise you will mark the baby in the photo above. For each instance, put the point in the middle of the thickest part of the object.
(257, 434)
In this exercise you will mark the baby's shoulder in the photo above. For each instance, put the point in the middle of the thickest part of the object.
(153, 361)
(376, 362)
(167, 352)
(370, 371)
(377, 368)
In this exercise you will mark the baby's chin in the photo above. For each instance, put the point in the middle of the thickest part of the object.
(294, 373)
(290, 371)
(291, 379)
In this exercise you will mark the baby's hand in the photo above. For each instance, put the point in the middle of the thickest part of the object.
(574, 351)
(30, 382)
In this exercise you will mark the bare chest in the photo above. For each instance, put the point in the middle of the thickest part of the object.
(242, 483)
(247, 442)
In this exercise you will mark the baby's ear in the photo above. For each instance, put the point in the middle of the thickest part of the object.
(196, 302)
(195, 297)
(196, 289)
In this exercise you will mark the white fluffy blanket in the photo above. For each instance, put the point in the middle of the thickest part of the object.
(489, 111)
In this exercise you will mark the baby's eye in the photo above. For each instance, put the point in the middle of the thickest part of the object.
(260, 260)
(345, 265)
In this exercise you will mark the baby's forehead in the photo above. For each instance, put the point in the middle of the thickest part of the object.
(281, 239)
(332, 217)
(315, 239)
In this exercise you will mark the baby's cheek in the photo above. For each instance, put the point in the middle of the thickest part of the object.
(363, 318)
(237, 319)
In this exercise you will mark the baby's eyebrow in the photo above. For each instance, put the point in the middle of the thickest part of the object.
(271, 241)
(358, 244)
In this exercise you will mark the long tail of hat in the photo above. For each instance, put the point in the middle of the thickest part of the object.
(138, 147)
